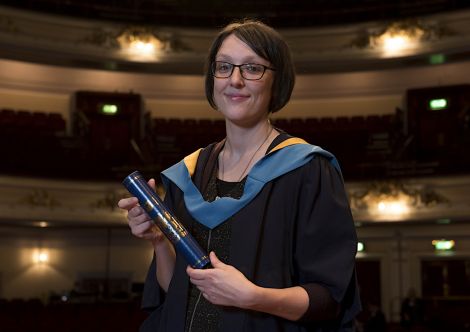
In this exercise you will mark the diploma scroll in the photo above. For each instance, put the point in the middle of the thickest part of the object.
(166, 221)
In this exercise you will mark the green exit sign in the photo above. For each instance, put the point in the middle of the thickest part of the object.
(438, 104)
(443, 245)
(109, 109)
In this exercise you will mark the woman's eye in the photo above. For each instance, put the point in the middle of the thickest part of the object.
(253, 68)
(223, 67)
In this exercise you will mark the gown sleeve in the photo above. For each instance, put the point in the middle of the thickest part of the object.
(325, 245)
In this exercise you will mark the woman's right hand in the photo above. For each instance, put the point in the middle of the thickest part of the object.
(143, 227)
(140, 223)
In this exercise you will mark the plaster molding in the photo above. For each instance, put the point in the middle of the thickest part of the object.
(29, 201)
(437, 199)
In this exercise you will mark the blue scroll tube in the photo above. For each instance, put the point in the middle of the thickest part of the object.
(166, 221)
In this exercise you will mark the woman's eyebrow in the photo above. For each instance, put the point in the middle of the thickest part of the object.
(248, 59)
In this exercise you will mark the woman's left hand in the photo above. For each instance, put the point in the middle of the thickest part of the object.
(223, 284)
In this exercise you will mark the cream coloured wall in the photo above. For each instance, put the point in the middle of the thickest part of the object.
(301, 108)
(346, 106)
(400, 248)
(73, 253)
(35, 101)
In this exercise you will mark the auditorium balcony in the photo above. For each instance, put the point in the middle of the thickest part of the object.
(368, 147)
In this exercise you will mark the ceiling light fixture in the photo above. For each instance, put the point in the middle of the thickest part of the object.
(140, 43)
(392, 200)
(403, 38)
(398, 38)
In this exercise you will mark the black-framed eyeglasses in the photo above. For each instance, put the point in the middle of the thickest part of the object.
(249, 71)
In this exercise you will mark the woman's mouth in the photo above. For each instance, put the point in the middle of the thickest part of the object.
(236, 97)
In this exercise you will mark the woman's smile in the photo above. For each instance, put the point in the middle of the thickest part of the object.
(237, 96)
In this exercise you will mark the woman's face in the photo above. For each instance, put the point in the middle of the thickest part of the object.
(244, 102)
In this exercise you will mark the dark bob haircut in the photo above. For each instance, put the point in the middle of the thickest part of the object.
(268, 44)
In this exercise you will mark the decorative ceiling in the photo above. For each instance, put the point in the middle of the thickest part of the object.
(39, 37)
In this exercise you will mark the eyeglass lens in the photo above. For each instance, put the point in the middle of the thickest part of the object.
(249, 71)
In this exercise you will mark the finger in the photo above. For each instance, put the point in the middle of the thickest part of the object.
(215, 260)
(210, 297)
(137, 211)
(196, 274)
(127, 203)
(142, 229)
(151, 183)
(136, 217)
(205, 296)
(198, 283)
(189, 270)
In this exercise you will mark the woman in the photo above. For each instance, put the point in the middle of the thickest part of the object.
(271, 210)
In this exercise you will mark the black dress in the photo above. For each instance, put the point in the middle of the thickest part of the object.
(201, 315)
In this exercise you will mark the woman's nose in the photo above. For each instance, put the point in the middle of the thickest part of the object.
(236, 78)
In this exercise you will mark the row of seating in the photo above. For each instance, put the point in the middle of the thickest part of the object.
(353, 140)
(54, 122)
(366, 146)
(36, 122)
(189, 126)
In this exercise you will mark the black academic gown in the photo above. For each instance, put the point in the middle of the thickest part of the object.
(297, 231)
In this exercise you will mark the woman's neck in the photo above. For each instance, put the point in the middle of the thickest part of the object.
(241, 140)
(242, 149)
